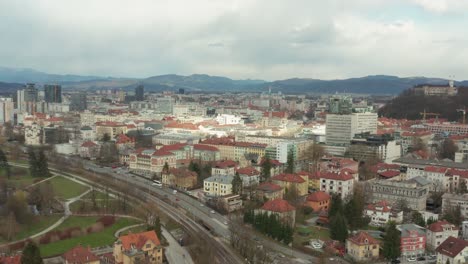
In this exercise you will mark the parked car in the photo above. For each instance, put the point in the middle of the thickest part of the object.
(396, 261)
(422, 258)
(213, 212)
(411, 259)
(316, 245)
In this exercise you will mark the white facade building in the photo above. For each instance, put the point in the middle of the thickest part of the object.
(225, 119)
(6, 110)
(340, 129)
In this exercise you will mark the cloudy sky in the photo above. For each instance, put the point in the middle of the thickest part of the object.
(267, 39)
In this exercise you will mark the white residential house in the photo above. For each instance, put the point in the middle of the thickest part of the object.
(249, 176)
(380, 213)
(340, 183)
(218, 185)
(452, 250)
(439, 231)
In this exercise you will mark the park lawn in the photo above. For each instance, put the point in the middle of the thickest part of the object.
(77, 221)
(103, 238)
(99, 196)
(75, 207)
(316, 233)
(136, 229)
(38, 224)
(20, 177)
(65, 188)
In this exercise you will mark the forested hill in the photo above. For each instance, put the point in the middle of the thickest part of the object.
(409, 105)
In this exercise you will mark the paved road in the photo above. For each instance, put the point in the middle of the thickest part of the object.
(175, 253)
(196, 210)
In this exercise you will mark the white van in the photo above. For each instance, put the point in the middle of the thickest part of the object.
(157, 183)
(174, 192)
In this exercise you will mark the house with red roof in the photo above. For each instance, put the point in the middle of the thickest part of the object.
(182, 151)
(362, 247)
(439, 231)
(269, 191)
(150, 161)
(206, 153)
(318, 201)
(380, 213)
(225, 167)
(290, 181)
(123, 141)
(285, 212)
(142, 247)
(249, 175)
(89, 150)
(80, 255)
(341, 183)
(453, 250)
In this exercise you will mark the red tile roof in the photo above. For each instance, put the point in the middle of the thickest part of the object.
(188, 126)
(269, 187)
(337, 176)
(275, 114)
(160, 153)
(88, 144)
(249, 171)
(461, 173)
(79, 254)
(10, 259)
(381, 206)
(288, 178)
(225, 164)
(278, 205)
(173, 147)
(389, 173)
(363, 238)
(205, 147)
(122, 139)
(318, 196)
(435, 169)
(110, 124)
(439, 226)
(452, 246)
(139, 240)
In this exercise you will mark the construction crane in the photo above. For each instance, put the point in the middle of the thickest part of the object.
(464, 114)
(425, 114)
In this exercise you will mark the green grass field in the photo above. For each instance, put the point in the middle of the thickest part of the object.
(316, 233)
(38, 224)
(65, 188)
(20, 177)
(103, 238)
(81, 221)
(99, 196)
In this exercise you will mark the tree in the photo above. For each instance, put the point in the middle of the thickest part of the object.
(391, 247)
(108, 153)
(31, 254)
(447, 149)
(453, 215)
(165, 169)
(418, 219)
(336, 205)
(338, 227)
(106, 137)
(8, 130)
(157, 227)
(354, 210)
(430, 221)
(33, 164)
(462, 187)
(314, 153)
(290, 162)
(417, 144)
(4, 166)
(42, 165)
(237, 184)
(266, 169)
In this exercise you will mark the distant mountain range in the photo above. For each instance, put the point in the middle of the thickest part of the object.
(377, 84)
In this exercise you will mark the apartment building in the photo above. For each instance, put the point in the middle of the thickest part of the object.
(413, 240)
(452, 200)
(438, 232)
(341, 183)
(218, 185)
(341, 128)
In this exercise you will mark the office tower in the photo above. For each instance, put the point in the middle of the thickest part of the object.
(27, 98)
(340, 129)
(52, 93)
(140, 93)
(78, 102)
(6, 110)
(340, 105)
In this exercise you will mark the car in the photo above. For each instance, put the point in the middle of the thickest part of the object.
(225, 222)
(411, 259)
(157, 183)
(213, 212)
(396, 261)
(422, 258)
(201, 205)
(174, 192)
(432, 257)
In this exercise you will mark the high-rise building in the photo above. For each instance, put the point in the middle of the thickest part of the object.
(341, 105)
(27, 98)
(140, 93)
(53, 93)
(340, 129)
(78, 102)
(165, 104)
(6, 110)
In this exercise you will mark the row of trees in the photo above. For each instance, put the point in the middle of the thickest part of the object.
(38, 165)
(203, 172)
(5, 168)
(271, 225)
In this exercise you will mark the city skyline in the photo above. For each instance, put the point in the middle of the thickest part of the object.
(330, 40)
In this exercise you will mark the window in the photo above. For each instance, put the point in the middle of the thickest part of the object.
(148, 245)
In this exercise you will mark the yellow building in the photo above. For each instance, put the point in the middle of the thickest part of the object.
(292, 181)
(112, 129)
(142, 247)
(362, 247)
(218, 185)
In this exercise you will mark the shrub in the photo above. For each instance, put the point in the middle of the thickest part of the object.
(106, 220)
(45, 239)
(96, 227)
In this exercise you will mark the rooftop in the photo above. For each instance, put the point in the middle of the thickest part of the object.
(278, 205)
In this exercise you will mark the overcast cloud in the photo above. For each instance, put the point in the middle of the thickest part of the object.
(268, 39)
